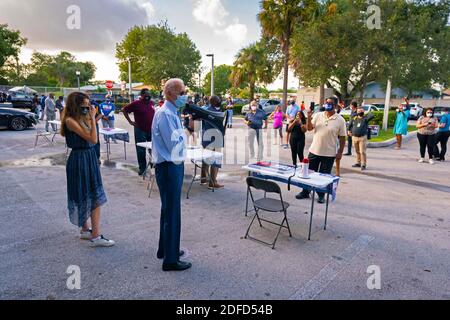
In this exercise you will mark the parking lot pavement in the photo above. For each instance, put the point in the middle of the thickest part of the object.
(395, 217)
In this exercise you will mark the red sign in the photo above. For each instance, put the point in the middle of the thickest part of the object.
(109, 84)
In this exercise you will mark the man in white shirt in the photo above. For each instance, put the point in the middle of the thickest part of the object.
(329, 128)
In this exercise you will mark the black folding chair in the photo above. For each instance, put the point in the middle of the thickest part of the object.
(268, 205)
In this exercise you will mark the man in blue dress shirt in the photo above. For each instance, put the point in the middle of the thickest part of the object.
(169, 151)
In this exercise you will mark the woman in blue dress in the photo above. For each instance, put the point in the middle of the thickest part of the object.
(85, 192)
(401, 125)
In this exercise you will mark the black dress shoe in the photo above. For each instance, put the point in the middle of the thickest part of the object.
(179, 266)
(302, 195)
(356, 165)
(162, 256)
(321, 200)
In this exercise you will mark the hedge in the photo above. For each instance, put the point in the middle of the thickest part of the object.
(378, 118)
(119, 107)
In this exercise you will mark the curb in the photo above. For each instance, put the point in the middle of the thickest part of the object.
(392, 141)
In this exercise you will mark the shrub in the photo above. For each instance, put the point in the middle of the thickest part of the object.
(378, 118)
(119, 106)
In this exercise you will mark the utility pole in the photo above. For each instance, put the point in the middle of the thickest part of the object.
(78, 73)
(130, 89)
(386, 105)
(212, 73)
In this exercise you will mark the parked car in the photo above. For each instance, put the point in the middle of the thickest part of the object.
(16, 120)
(380, 106)
(367, 108)
(240, 101)
(416, 110)
(268, 105)
(438, 111)
(21, 101)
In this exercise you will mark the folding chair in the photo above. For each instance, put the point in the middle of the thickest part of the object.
(45, 135)
(268, 205)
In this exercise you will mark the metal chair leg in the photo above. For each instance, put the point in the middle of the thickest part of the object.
(248, 229)
(326, 212)
(287, 223)
(152, 184)
(278, 234)
(312, 212)
(193, 180)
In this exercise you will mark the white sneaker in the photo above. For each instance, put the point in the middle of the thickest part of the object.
(101, 242)
(421, 160)
(431, 161)
(86, 235)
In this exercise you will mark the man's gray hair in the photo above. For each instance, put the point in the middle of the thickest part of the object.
(172, 84)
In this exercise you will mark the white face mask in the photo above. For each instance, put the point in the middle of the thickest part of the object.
(429, 115)
(254, 108)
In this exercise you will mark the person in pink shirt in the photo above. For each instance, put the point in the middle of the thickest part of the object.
(278, 116)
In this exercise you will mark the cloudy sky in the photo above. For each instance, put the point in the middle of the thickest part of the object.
(221, 27)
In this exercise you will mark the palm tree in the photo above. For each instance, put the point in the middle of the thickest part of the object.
(257, 63)
(244, 68)
(278, 19)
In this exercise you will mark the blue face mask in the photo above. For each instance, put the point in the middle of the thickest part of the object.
(328, 107)
(181, 101)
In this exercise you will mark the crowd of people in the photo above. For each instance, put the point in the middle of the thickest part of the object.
(168, 126)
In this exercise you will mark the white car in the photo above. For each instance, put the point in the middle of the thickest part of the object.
(268, 105)
(416, 110)
(367, 108)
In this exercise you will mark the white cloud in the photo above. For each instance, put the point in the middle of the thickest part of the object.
(148, 8)
(236, 33)
(210, 12)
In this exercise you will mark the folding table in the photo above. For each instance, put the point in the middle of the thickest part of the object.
(318, 182)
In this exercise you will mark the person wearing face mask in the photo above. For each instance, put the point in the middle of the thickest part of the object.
(213, 140)
(328, 127)
(50, 111)
(358, 129)
(426, 135)
(254, 120)
(353, 113)
(443, 135)
(107, 110)
(291, 112)
(401, 125)
(144, 113)
(169, 151)
(85, 193)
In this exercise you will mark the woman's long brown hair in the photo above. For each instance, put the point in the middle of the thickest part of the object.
(73, 110)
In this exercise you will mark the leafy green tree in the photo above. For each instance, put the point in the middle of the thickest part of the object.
(337, 48)
(222, 81)
(10, 43)
(258, 63)
(417, 37)
(59, 70)
(157, 54)
(278, 19)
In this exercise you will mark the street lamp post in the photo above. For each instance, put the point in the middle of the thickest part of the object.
(129, 78)
(78, 73)
(212, 73)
